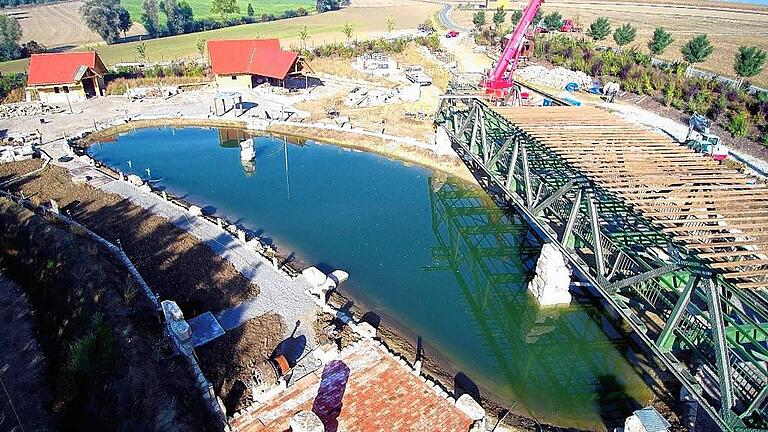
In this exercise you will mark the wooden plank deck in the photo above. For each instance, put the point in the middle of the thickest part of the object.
(716, 213)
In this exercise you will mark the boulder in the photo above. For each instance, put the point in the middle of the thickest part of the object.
(135, 180)
(469, 406)
(195, 211)
(306, 421)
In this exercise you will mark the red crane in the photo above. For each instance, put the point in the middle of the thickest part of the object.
(498, 82)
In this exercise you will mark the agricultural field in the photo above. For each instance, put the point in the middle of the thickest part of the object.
(202, 8)
(323, 28)
(57, 25)
(728, 26)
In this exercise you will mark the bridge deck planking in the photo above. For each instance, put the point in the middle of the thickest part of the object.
(625, 159)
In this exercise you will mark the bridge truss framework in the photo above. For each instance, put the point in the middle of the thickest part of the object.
(710, 333)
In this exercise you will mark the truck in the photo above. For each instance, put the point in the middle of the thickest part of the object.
(569, 26)
(415, 74)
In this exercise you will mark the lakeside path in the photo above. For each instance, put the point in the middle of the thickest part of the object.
(277, 293)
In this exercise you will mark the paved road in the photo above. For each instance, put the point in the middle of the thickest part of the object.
(444, 16)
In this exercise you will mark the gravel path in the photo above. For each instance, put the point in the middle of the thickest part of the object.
(279, 294)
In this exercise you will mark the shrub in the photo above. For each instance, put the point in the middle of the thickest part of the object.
(718, 107)
(599, 29)
(739, 124)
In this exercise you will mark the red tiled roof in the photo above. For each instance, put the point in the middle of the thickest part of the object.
(59, 68)
(363, 390)
(252, 56)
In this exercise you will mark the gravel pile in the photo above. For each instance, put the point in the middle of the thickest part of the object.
(25, 109)
(558, 77)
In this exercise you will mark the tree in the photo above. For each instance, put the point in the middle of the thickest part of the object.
(150, 18)
(390, 24)
(428, 26)
(537, 17)
(303, 36)
(224, 7)
(250, 10)
(599, 29)
(478, 19)
(103, 17)
(124, 21)
(749, 61)
(141, 50)
(348, 30)
(498, 17)
(553, 21)
(624, 34)
(186, 16)
(327, 5)
(10, 33)
(173, 14)
(200, 45)
(660, 41)
(516, 17)
(697, 49)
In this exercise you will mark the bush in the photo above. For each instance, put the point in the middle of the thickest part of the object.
(739, 125)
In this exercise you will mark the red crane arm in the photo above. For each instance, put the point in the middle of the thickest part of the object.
(497, 78)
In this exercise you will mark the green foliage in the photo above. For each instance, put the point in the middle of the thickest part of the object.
(105, 17)
(10, 33)
(498, 17)
(174, 20)
(697, 49)
(390, 24)
(124, 21)
(553, 21)
(303, 36)
(10, 83)
(719, 105)
(141, 50)
(224, 8)
(538, 16)
(250, 10)
(749, 61)
(327, 5)
(516, 16)
(348, 30)
(478, 19)
(151, 17)
(624, 34)
(739, 124)
(200, 45)
(660, 41)
(599, 29)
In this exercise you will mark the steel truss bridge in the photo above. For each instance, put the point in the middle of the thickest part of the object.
(668, 239)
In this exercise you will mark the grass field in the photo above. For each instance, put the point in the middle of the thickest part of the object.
(202, 8)
(323, 28)
(728, 27)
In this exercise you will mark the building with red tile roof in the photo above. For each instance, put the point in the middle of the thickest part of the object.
(364, 389)
(245, 63)
(66, 76)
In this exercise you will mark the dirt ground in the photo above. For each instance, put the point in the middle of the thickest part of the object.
(174, 263)
(22, 365)
(108, 365)
(728, 26)
(58, 25)
(250, 344)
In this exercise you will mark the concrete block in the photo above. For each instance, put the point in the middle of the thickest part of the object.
(466, 404)
(195, 211)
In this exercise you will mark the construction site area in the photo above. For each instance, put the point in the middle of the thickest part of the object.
(413, 232)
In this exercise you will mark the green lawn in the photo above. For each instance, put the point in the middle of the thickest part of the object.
(202, 8)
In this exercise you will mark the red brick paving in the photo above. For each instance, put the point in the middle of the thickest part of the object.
(363, 390)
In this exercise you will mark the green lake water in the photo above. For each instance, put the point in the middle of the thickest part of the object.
(434, 254)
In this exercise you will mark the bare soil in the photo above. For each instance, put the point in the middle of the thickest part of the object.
(58, 25)
(22, 365)
(248, 345)
(174, 263)
(79, 293)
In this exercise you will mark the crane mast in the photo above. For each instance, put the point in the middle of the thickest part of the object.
(499, 80)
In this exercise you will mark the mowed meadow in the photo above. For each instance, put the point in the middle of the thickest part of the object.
(322, 28)
(202, 8)
(728, 26)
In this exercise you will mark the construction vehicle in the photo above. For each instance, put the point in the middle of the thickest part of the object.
(569, 26)
(499, 83)
(706, 143)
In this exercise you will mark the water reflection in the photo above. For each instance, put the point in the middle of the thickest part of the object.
(558, 362)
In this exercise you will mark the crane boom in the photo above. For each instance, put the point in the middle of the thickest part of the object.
(498, 79)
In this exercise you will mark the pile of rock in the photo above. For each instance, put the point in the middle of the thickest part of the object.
(558, 77)
(25, 109)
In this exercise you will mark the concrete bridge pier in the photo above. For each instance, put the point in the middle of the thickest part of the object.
(550, 285)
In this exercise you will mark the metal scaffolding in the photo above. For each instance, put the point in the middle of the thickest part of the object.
(586, 182)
